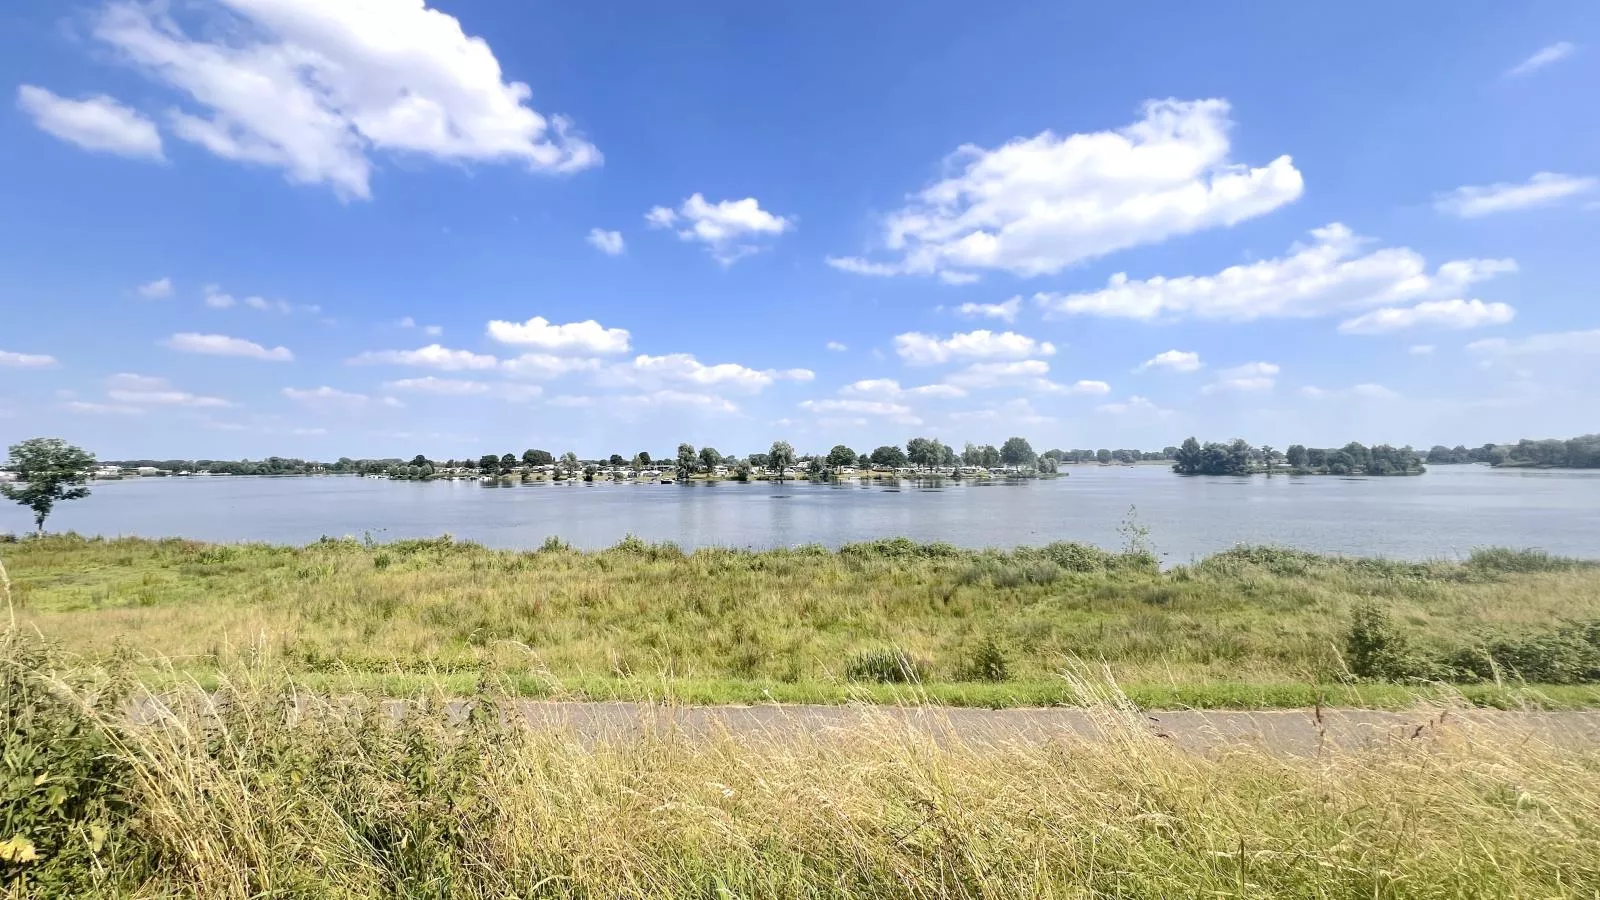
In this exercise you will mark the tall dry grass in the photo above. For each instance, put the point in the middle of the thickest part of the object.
(264, 790)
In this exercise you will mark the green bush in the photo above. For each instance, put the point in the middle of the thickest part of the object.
(1500, 560)
(887, 666)
(1373, 647)
(988, 662)
(1567, 654)
(65, 806)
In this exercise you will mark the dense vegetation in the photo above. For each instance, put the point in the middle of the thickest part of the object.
(1246, 627)
(1582, 452)
(273, 793)
(1239, 458)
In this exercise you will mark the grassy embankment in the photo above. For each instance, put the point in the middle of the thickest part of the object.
(1248, 628)
(250, 800)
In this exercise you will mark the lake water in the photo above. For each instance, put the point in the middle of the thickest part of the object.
(1445, 513)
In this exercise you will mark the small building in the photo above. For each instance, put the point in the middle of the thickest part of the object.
(148, 471)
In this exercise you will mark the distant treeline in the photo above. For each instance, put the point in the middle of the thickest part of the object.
(1240, 458)
(1582, 452)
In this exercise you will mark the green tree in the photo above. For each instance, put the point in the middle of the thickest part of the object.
(1297, 456)
(538, 457)
(49, 470)
(863, 461)
(840, 456)
(1188, 458)
(569, 463)
(418, 460)
(780, 457)
(688, 460)
(1103, 456)
(1017, 452)
(617, 461)
(924, 452)
(889, 456)
(709, 458)
(489, 464)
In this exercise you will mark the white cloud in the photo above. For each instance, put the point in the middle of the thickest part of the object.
(1547, 55)
(895, 412)
(215, 298)
(432, 356)
(888, 387)
(1421, 350)
(222, 345)
(1021, 373)
(580, 337)
(102, 409)
(837, 347)
(1355, 392)
(147, 390)
(311, 87)
(1134, 404)
(1324, 277)
(684, 399)
(1456, 314)
(728, 228)
(332, 400)
(1006, 311)
(265, 305)
(26, 360)
(684, 368)
(545, 365)
(1253, 376)
(156, 290)
(1172, 360)
(925, 349)
(429, 330)
(97, 123)
(1543, 189)
(1085, 386)
(608, 242)
(433, 330)
(447, 387)
(1556, 343)
(1037, 205)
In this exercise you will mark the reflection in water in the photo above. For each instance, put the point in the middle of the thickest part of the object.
(1445, 513)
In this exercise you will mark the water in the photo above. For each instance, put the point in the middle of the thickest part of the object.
(1443, 514)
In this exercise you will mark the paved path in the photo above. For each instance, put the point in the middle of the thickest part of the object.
(1296, 731)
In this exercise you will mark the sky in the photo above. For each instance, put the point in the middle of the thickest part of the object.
(240, 228)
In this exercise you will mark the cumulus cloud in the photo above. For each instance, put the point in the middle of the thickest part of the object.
(1543, 189)
(729, 229)
(547, 365)
(312, 88)
(1020, 373)
(1455, 314)
(1087, 386)
(1553, 344)
(1545, 56)
(432, 356)
(608, 242)
(836, 347)
(156, 290)
(685, 369)
(1355, 392)
(429, 330)
(1327, 276)
(327, 399)
(1173, 361)
(97, 123)
(1253, 376)
(1005, 311)
(15, 360)
(920, 349)
(1037, 205)
(888, 387)
(222, 345)
(574, 337)
(445, 387)
(213, 296)
(681, 399)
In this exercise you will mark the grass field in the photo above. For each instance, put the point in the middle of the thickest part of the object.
(251, 799)
(885, 621)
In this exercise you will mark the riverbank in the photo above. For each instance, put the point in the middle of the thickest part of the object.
(885, 621)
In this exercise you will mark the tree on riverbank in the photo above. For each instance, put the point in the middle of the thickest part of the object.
(1239, 458)
(50, 470)
(780, 458)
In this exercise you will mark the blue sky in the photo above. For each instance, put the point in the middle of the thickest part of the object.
(248, 227)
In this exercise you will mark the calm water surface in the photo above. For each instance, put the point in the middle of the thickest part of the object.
(1444, 513)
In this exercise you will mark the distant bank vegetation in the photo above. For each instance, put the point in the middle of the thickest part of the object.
(1582, 452)
(1239, 458)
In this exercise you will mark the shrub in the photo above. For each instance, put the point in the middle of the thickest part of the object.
(554, 544)
(1506, 560)
(902, 548)
(65, 804)
(1568, 654)
(887, 666)
(1373, 646)
(988, 662)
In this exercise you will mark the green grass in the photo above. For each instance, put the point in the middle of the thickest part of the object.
(1249, 628)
